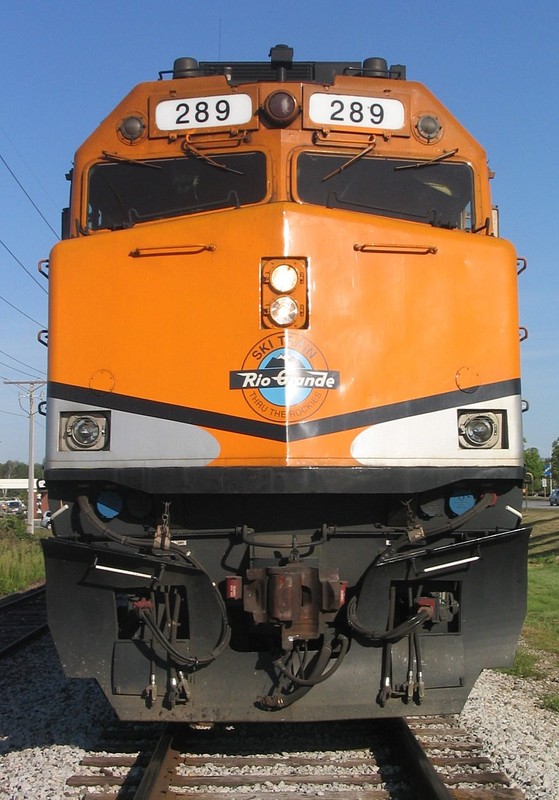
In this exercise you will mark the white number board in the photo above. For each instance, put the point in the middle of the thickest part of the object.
(356, 112)
(203, 112)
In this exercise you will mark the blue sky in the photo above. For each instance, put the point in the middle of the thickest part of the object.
(64, 65)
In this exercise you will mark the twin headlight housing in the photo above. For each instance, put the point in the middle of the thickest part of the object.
(284, 293)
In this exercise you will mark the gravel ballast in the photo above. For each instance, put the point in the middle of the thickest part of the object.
(47, 724)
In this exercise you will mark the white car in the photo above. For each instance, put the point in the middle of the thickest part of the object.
(45, 522)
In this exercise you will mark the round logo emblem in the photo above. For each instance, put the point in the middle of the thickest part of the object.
(285, 378)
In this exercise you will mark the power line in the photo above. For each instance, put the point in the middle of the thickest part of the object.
(24, 268)
(15, 369)
(30, 169)
(23, 364)
(40, 324)
(35, 206)
(12, 413)
(32, 387)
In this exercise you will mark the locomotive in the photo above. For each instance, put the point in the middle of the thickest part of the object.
(284, 446)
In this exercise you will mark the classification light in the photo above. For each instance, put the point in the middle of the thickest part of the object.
(132, 128)
(428, 127)
(281, 108)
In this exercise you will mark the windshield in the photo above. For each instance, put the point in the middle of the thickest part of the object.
(122, 193)
(436, 193)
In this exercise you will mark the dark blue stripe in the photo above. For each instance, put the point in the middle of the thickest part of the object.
(278, 432)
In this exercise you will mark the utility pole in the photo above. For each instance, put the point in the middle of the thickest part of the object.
(33, 385)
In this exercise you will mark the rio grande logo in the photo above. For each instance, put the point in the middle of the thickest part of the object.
(284, 378)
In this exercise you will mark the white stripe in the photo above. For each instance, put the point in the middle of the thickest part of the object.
(452, 564)
(431, 440)
(124, 571)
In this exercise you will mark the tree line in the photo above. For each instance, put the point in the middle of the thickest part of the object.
(18, 469)
(536, 465)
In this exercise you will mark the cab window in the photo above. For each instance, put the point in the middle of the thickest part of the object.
(434, 193)
(124, 193)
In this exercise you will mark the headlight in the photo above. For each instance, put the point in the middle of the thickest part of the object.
(284, 298)
(480, 429)
(85, 432)
(89, 431)
(284, 278)
(284, 311)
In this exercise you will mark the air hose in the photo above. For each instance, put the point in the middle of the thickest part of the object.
(313, 681)
(394, 634)
(131, 541)
(484, 502)
(280, 701)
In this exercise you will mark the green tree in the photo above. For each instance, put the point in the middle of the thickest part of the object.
(555, 462)
(18, 469)
(13, 469)
(534, 464)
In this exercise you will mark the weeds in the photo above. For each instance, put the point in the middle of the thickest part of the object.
(551, 702)
(541, 628)
(525, 666)
(21, 558)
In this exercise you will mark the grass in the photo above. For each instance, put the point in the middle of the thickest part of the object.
(541, 628)
(525, 665)
(21, 557)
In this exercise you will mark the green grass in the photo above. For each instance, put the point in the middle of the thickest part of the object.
(21, 557)
(525, 665)
(541, 629)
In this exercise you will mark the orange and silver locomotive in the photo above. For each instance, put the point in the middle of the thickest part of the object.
(284, 417)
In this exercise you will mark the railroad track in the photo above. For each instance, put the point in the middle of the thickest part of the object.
(23, 616)
(424, 759)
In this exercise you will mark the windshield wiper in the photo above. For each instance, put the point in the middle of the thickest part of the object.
(418, 164)
(124, 160)
(349, 162)
(189, 148)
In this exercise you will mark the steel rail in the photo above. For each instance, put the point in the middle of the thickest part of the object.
(427, 783)
(161, 767)
(10, 604)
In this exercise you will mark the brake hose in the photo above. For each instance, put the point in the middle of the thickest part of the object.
(225, 636)
(393, 635)
(344, 646)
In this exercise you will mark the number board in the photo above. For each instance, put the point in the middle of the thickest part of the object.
(352, 111)
(214, 111)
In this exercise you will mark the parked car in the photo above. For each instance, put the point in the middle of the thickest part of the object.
(45, 522)
(554, 497)
(13, 507)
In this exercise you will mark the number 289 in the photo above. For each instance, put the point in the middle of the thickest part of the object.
(201, 112)
(356, 112)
